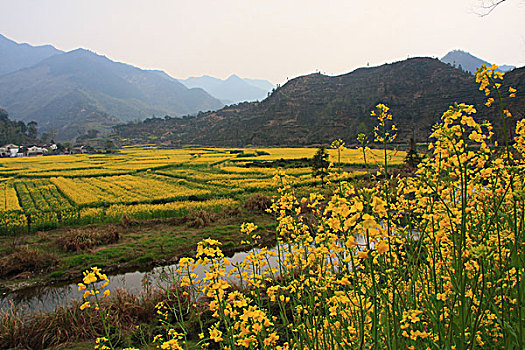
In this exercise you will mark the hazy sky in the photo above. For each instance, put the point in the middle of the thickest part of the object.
(269, 39)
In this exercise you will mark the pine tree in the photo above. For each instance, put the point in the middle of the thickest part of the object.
(320, 164)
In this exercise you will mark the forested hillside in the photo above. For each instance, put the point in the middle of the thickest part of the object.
(316, 109)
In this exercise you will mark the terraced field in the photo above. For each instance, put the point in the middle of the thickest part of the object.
(47, 192)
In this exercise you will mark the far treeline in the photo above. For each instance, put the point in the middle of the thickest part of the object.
(16, 132)
(316, 109)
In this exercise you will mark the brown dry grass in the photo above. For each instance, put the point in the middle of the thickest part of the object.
(79, 239)
(258, 203)
(24, 259)
(70, 324)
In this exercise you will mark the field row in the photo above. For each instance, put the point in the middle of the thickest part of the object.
(132, 160)
(18, 222)
(59, 193)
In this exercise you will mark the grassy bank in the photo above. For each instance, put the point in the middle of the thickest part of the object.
(61, 254)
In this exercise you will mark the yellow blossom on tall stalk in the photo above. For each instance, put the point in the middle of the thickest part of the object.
(339, 146)
(93, 283)
(429, 261)
(383, 132)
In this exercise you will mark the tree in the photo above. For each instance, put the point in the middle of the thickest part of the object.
(412, 159)
(110, 146)
(46, 137)
(92, 133)
(66, 147)
(32, 131)
(320, 164)
(16, 132)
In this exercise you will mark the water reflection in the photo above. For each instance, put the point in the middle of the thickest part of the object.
(47, 298)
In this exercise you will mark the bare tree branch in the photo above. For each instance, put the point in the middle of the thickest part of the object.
(487, 6)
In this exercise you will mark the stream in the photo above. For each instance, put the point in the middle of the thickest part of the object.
(48, 298)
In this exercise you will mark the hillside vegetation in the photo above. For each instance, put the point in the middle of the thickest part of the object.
(316, 109)
(15, 132)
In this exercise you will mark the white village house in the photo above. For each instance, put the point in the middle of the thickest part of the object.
(9, 150)
(36, 151)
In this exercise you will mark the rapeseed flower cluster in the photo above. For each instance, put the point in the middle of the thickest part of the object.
(429, 261)
(92, 288)
(93, 284)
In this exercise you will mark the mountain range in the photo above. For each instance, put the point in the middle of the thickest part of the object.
(16, 56)
(74, 91)
(469, 62)
(317, 109)
(233, 89)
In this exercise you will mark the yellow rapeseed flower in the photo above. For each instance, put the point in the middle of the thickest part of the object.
(216, 335)
(362, 254)
(89, 278)
(382, 247)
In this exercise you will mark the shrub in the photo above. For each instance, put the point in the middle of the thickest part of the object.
(258, 202)
(78, 239)
(25, 259)
(200, 218)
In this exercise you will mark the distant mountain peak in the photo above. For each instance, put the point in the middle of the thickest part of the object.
(15, 56)
(82, 50)
(81, 89)
(6, 40)
(233, 89)
(86, 53)
(460, 51)
(468, 62)
(234, 76)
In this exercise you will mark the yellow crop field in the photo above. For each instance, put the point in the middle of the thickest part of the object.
(8, 198)
(166, 209)
(373, 156)
(249, 184)
(46, 192)
(203, 175)
(123, 188)
(244, 171)
(40, 195)
(351, 156)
